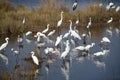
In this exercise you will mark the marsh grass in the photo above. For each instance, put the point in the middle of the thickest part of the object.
(37, 18)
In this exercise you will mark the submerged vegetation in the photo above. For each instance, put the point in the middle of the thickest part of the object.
(37, 18)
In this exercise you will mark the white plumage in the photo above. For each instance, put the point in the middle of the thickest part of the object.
(51, 33)
(35, 59)
(59, 38)
(117, 9)
(60, 21)
(105, 40)
(28, 33)
(75, 5)
(44, 31)
(4, 44)
(109, 21)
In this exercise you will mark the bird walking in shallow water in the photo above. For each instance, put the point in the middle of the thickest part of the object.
(75, 5)
(35, 59)
(3, 46)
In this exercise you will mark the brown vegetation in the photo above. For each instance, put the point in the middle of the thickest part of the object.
(37, 18)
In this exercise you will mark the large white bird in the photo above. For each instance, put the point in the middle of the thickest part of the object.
(74, 33)
(67, 49)
(105, 40)
(109, 21)
(44, 31)
(60, 21)
(3, 46)
(59, 38)
(51, 33)
(35, 59)
(89, 23)
(75, 5)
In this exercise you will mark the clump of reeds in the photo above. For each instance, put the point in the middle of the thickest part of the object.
(37, 18)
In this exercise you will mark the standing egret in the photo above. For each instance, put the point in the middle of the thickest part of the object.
(67, 49)
(59, 39)
(51, 33)
(3, 46)
(60, 21)
(89, 23)
(75, 5)
(109, 21)
(74, 33)
(35, 59)
(24, 20)
(44, 31)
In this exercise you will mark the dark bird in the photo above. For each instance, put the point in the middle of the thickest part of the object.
(75, 5)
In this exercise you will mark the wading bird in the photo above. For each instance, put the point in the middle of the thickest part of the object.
(3, 46)
(109, 21)
(44, 31)
(35, 59)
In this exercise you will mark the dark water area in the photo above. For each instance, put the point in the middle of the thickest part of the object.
(75, 66)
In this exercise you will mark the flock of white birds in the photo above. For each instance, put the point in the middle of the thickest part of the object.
(69, 41)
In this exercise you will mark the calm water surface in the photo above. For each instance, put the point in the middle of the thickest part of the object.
(74, 67)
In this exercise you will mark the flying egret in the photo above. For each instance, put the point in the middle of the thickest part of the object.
(35, 59)
(75, 5)
(3, 46)
(59, 38)
(109, 21)
(44, 31)
(51, 33)
(105, 40)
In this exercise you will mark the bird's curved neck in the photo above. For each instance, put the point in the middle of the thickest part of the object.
(6, 41)
(61, 16)
(70, 25)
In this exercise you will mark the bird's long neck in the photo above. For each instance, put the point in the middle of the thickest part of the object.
(7, 41)
(70, 25)
(61, 16)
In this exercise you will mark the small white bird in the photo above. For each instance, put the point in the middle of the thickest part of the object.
(105, 40)
(44, 31)
(51, 33)
(35, 59)
(77, 22)
(109, 21)
(89, 23)
(60, 21)
(3, 46)
(24, 20)
(75, 5)
(117, 9)
(28, 33)
(59, 38)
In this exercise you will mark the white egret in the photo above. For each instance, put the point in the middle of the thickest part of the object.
(105, 40)
(67, 49)
(48, 50)
(73, 33)
(3, 46)
(60, 21)
(117, 9)
(77, 22)
(59, 38)
(24, 20)
(109, 21)
(44, 31)
(75, 5)
(66, 35)
(51, 33)
(28, 33)
(89, 23)
(35, 59)
(109, 5)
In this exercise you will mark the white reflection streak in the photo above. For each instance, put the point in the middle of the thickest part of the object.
(4, 58)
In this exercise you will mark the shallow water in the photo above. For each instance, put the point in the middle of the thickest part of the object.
(75, 66)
